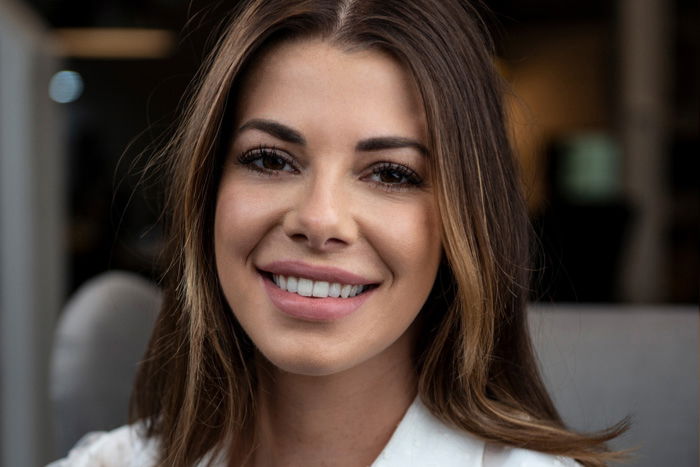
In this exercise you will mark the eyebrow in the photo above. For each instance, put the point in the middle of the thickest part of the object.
(275, 129)
(290, 135)
(390, 142)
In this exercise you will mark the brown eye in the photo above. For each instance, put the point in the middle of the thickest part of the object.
(271, 161)
(267, 161)
(390, 176)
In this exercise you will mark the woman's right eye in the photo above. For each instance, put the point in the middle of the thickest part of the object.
(267, 161)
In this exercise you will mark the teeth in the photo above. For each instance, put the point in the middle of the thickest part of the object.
(320, 289)
(305, 287)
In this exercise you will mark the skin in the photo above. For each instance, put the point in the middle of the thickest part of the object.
(331, 392)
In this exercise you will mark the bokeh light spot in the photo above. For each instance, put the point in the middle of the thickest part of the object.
(66, 86)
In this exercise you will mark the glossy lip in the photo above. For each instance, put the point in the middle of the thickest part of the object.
(312, 309)
(316, 273)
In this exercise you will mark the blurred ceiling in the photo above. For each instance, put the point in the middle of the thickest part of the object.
(170, 14)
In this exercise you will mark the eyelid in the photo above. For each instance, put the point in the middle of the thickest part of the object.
(415, 179)
(247, 157)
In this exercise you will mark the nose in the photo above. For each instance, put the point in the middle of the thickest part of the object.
(320, 215)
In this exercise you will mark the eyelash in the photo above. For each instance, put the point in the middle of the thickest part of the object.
(413, 180)
(249, 157)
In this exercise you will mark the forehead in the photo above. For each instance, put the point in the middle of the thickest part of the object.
(313, 81)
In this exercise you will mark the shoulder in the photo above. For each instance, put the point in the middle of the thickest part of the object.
(505, 456)
(421, 439)
(124, 446)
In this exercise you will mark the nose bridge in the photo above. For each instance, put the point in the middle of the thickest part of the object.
(321, 196)
(321, 213)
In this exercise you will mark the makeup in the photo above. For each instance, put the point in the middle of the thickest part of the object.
(312, 308)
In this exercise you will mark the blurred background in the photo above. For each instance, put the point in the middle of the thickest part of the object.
(604, 111)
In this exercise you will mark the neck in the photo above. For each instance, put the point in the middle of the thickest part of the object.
(347, 417)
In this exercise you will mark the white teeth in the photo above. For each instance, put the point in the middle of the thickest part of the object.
(345, 291)
(334, 290)
(319, 289)
(305, 287)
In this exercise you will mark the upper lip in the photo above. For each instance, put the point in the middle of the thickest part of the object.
(316, 273)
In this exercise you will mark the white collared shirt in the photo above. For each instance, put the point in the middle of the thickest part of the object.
(420, 440)
(423, 440)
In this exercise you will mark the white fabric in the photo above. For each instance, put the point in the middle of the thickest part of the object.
(420, 440)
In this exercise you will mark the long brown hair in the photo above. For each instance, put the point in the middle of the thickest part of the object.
(476, 368)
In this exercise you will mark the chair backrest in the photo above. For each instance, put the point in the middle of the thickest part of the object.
(99, 340)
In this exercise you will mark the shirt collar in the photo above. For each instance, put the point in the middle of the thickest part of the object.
(421, 439)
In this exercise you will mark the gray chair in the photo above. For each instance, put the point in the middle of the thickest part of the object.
(601, 363)
(99, 340)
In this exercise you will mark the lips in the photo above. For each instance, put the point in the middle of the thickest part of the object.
(320, 289)
(313, 308)
(315, 273)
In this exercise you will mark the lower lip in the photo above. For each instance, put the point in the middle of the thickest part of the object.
(313, 309)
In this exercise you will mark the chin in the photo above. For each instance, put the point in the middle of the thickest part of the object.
(307, 368)
(307, 362)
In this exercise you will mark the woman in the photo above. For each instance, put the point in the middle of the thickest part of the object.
(349, 254)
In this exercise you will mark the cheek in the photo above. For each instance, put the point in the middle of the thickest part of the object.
(241, 219)
(407, 236)
(243, 215)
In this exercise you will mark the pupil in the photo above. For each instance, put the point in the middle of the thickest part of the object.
(390, 176)
(272, 162)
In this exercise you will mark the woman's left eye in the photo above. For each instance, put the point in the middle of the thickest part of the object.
(393, 176)
(268, 161)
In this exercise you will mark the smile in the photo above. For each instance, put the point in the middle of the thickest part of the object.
(321, 307)
(319, 289)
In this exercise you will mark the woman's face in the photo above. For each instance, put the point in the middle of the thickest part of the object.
(325, 195)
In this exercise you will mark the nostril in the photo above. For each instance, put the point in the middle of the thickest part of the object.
(333, 241)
